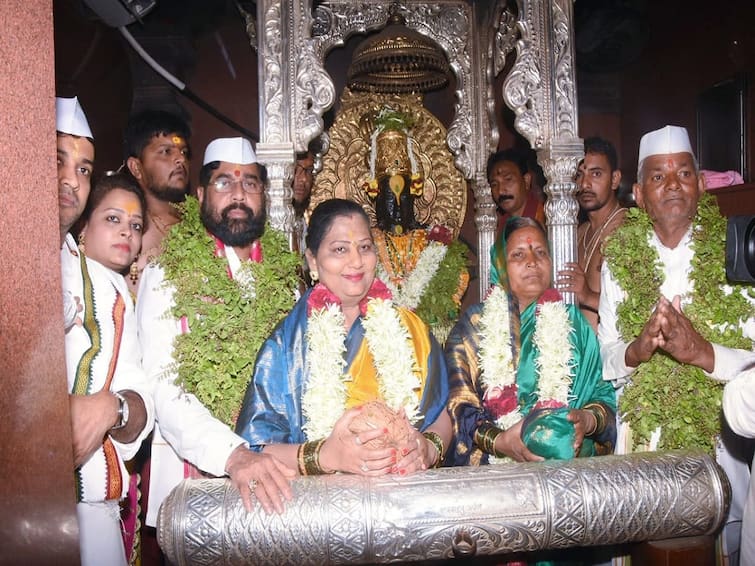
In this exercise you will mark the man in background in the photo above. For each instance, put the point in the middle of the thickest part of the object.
(157, 155)
(597, 180)
(511, 188)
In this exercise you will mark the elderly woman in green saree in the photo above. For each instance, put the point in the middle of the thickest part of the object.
(525, 369)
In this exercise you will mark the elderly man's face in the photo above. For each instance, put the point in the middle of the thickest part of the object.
(669, 188)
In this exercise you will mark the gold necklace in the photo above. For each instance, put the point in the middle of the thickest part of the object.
(592, 245)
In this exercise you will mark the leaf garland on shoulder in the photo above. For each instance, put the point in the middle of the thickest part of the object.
(679, 398)
(441, 301)
(215, 360)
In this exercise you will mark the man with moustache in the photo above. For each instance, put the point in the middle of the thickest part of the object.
(123, 417)
(511, 189)
(302, 190)
(695, 330)
(229, 226)
(597, 179)
(157, 155)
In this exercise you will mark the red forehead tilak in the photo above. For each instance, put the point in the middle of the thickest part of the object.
(529, 241)
(670, 162)
(237, 172)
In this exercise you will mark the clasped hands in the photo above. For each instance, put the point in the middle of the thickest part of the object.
(668, 329)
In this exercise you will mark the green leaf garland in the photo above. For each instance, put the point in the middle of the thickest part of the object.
(679, 398)
(228, 324)
(437, 306)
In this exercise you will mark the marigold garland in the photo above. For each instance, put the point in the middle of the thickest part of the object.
(214, 361)
(679, 398)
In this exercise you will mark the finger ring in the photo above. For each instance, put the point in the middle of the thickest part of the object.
(364, 467)
(357, 441)
(252, 485)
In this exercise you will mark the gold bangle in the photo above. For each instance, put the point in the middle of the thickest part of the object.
(320, 469)
(601, 418)
(300, 460)
(310, 458)
(485, 437)
(436, 441)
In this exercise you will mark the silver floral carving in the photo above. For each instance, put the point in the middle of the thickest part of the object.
(272, 120)
(314, 91)
(504, 39)
(438, 514)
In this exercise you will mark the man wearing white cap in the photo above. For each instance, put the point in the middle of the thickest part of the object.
(201, 323)
(672, 330)
(75, 162)
(106, 401)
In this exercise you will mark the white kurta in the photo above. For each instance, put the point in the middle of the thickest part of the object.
(185, 429)
(127, 373)
(739, 409)
(729, 362)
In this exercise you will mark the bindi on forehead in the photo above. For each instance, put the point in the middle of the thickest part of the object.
(237, 172)
(529, 241)
(177, 140)
(669, 162)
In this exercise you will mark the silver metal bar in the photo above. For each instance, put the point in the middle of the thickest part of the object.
(451, 512)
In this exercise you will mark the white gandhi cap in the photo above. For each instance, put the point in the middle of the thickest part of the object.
(70, 118)
(670, 139)
(230, 150)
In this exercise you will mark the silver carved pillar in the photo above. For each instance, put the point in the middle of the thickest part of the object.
(439, 514)
(295, 91)
(275, 148)
(541, 89)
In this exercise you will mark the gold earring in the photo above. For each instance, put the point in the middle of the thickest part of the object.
(314, 275)
(133, 272)
(82, 247)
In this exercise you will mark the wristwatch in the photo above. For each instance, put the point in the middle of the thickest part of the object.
(122, 411)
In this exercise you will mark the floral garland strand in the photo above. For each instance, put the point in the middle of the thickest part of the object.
(389, 342)
(413, 287)
(326, 386)
(679, 398)
(214, 361)
(554, 363)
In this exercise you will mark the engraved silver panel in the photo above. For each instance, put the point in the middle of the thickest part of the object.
(499, 509)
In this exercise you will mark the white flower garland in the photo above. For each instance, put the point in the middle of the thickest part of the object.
(389, 343)
(494, 354)
(555, 366)
(410, 293)
(554, 363)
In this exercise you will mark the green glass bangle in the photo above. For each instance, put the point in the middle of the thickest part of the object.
(437, 441)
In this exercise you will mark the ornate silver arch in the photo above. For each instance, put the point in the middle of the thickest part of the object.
(296, 91)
